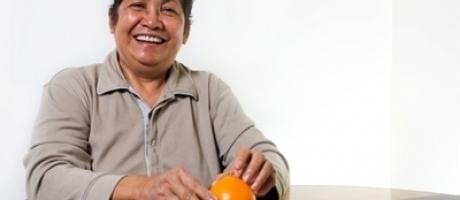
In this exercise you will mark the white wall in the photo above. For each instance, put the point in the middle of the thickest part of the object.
(10, 144)
(315, 75)
(44, 37)
(426, 95)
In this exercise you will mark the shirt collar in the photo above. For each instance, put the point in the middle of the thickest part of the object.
(179, 81)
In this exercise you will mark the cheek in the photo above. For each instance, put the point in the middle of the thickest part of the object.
(127, 22)
(175, 27)
(132, 18)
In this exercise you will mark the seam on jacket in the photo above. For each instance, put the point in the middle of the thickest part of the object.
(57, 142)
(185, 93)
(262, 142)
(91, 184)
(218, 98)
(146, 145)
(282, 193)
(236, 139)
(279, 154)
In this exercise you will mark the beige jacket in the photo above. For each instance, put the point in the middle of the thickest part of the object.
(91, 131)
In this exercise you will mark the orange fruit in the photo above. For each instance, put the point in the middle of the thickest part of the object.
(231, 187)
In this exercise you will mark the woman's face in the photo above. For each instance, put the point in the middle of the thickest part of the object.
(149, 33)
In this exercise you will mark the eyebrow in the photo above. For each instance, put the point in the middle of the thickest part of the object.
(166, 1)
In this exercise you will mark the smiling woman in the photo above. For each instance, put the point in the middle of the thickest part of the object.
(141, 125)
(148, 36)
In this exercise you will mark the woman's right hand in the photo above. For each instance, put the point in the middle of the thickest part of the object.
(175, 184)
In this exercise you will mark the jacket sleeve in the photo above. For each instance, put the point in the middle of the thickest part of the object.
(58, 163)
(235, 130)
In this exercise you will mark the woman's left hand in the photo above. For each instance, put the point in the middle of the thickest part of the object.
(254, 169)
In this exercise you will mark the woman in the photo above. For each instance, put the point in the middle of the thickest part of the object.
(143, 126)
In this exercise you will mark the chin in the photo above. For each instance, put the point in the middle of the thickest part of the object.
(148, 60)
(153, 63)
(149, 63)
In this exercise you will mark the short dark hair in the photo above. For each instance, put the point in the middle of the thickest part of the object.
(186, 7)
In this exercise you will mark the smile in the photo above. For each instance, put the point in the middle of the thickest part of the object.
(150, 39)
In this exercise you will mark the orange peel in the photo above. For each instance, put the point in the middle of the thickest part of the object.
(229, 187)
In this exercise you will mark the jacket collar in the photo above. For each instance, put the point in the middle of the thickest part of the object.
(179, 81)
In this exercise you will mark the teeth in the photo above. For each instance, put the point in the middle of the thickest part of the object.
(148, 38)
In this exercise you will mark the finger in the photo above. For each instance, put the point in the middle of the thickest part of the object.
(182, 192)
(177, 187)
(164, 191)
(198, 190)
(241, 160)
(256, 163)
(156, 188)
(169, 195)
(269, 184)
(194, 197)
(264, 175)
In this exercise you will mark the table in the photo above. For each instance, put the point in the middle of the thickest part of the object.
(304, 192)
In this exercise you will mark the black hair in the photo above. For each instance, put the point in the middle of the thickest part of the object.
(186, 7)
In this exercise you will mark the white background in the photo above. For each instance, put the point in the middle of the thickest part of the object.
(356, 92)
(426, 95)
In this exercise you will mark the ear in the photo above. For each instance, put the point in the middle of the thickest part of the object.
(112, 28)
(186, 34)
(111, 24)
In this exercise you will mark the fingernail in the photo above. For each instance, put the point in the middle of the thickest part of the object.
(238, 173)
(246, 178)
(238, 165)
(212, 197)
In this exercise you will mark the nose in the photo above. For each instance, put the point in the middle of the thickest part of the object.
(152, 19)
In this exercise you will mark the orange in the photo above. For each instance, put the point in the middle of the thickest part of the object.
(231, 187)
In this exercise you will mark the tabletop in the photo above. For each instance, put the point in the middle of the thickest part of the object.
(304, 192)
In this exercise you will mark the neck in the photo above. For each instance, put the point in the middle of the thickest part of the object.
(148, 85)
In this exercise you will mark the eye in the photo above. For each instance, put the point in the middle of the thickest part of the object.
(170, 8)
(137, 5)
